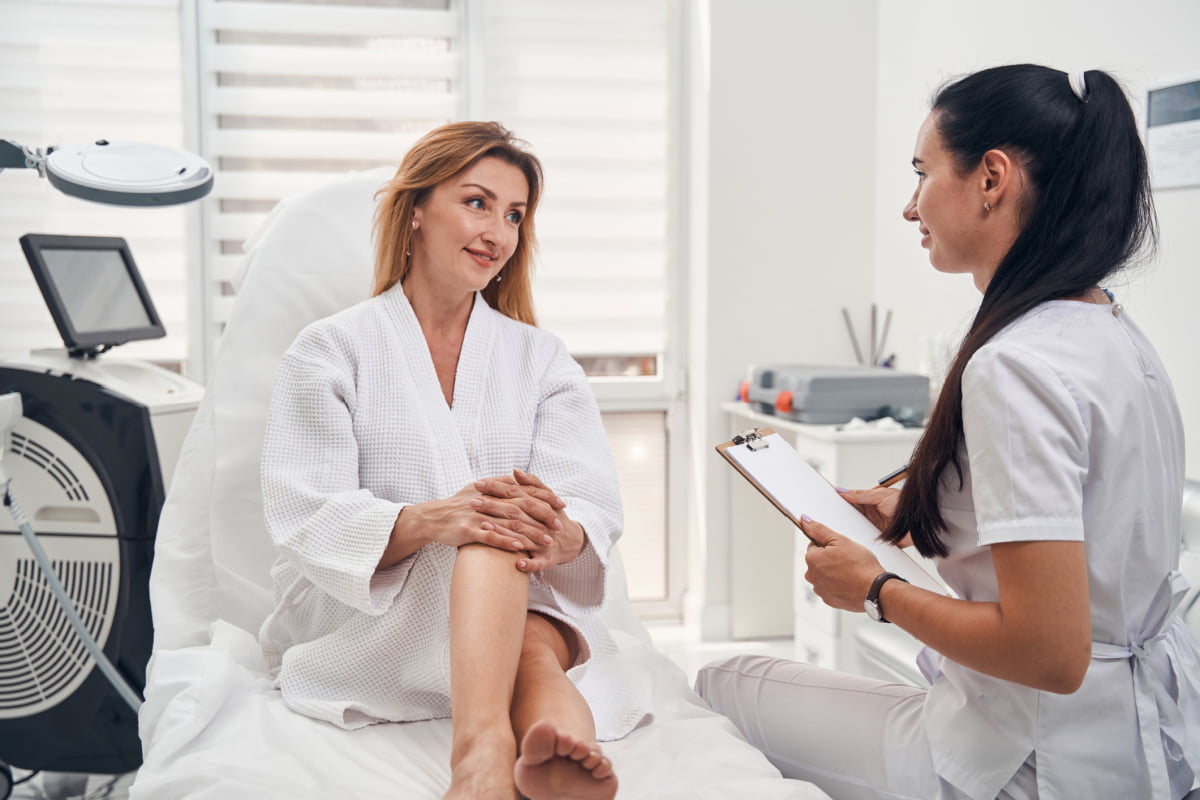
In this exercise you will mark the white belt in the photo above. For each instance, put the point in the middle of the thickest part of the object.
(1159, 718)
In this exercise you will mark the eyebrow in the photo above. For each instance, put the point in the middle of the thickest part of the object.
(916, 161)
(491, 195)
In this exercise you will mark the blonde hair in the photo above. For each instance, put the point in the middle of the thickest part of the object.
(436, 157)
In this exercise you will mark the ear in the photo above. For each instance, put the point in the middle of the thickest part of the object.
(418, 212)
(998, 177)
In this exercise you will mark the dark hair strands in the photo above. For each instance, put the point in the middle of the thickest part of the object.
(1089, 213)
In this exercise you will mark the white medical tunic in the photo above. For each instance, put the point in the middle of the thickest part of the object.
(1072, 433)
(359, 428)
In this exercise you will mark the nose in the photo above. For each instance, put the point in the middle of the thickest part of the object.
(499, 236)
(909, 212)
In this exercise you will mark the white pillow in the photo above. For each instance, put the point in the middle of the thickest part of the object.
(312, 257)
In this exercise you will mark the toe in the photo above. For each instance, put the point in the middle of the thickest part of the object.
(565, 745)
(591, 760)
(540, 743)
(603, 770)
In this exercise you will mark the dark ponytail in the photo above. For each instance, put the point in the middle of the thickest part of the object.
(1089, 213)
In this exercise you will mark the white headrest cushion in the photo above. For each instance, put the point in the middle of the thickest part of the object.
(312, 257)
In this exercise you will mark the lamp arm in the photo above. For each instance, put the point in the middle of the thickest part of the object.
(17, 156)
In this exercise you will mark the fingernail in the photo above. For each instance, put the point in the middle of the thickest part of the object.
(487, 526)
(557, 525)
(805, 518)
(840, 489)
(516, 545)
(547, 539)
(476, 503)
(480, 485)
(522, 564)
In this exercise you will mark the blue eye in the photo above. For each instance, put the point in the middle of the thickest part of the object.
(515, 217)
(475, 202)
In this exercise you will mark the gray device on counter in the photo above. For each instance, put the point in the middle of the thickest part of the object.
(836, 394)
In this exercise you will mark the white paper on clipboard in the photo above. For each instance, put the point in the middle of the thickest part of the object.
(796, 489)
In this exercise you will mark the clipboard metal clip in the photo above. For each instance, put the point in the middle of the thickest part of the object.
(752, 439)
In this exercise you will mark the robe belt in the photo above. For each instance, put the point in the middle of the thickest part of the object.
(1159, 718)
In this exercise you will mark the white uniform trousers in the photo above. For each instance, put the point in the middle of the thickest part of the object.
(854, 737)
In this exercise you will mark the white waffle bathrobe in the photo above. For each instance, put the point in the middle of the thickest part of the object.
(359, 428)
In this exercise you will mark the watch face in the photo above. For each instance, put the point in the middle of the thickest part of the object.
(872, 610)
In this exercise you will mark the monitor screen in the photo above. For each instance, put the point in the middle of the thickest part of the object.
(93, 289)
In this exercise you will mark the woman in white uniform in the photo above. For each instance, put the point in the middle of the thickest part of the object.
(439, 487)
(1047, 485)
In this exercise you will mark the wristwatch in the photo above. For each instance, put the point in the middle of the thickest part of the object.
(872, 602)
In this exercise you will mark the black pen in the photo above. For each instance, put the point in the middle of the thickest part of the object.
(895, 476)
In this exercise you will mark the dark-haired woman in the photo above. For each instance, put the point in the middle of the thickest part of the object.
(1047, 485)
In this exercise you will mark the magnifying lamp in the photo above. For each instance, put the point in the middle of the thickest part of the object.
(116, 173)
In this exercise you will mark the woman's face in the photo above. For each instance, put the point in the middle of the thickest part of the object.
(947, 207)
(469, 226)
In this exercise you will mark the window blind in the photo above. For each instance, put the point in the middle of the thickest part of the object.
(295, 92)
(587, 83)
(75, 71)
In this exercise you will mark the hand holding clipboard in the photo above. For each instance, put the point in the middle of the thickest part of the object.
(781, 474)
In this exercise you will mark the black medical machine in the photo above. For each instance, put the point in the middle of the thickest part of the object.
(79, 456)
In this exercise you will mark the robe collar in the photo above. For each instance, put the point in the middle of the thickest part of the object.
(473, 360)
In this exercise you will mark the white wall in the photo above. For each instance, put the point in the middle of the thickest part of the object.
(923, 43)
(787, 142)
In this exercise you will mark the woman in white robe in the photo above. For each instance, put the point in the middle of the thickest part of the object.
(439, 487)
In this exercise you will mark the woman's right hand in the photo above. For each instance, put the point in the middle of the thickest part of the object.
(458, 520)
(878, 504)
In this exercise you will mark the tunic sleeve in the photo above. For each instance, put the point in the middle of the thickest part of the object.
(1026, 439)
(571, 456)
(320, 519)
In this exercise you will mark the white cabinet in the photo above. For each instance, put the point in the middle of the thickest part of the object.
(763, 538)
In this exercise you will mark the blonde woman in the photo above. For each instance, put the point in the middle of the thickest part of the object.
(439, 487)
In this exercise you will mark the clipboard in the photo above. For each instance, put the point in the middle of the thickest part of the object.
(772, 465)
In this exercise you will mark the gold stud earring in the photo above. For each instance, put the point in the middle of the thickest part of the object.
(987, 206)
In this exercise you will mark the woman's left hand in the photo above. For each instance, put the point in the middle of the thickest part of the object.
(840, 570)
(564, 538)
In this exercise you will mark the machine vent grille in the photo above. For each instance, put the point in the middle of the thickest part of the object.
(41, 658)
(45, 459)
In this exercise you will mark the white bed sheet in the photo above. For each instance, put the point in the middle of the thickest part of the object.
(221, 731)
(213, 726)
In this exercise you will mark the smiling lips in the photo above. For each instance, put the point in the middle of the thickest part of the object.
(482, 257)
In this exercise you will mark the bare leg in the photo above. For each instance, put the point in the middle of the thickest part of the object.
(488, 598)
(559, 756)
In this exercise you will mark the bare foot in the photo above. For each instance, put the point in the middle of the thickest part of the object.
(557, 766)
(483, 772)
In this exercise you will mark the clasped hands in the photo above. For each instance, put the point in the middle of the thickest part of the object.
(840, 569)
(517, 513)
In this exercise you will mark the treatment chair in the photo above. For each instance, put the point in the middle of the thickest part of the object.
(213, 725)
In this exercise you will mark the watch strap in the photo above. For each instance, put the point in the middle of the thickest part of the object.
(876, 586)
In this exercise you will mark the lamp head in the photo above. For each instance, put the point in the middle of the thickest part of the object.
(118, 173)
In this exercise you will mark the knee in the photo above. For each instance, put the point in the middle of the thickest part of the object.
(716, 681)
(477, 553)
(546, 638)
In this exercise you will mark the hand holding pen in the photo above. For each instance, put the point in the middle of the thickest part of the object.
(877, 504)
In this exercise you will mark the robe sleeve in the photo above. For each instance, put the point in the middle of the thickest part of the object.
(1026, 438)
(319, 517)
(571, 455)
